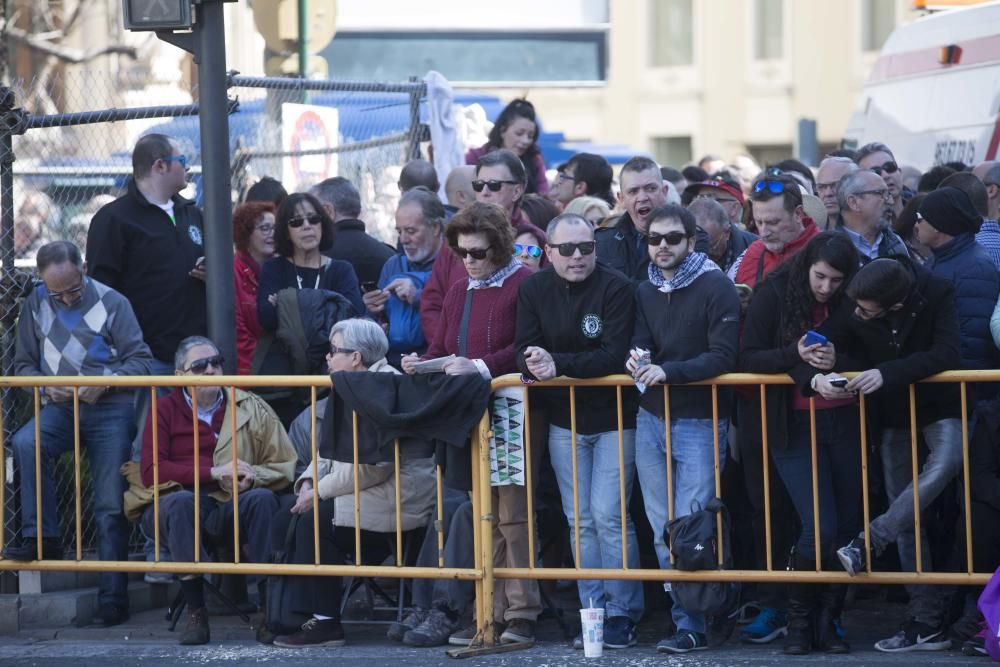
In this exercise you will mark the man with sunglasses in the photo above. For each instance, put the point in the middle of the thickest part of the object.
(687, 320)
(574, 318)
(863, 196)
(263, 463)
(147, 245)
(72, 325)
(877, 157)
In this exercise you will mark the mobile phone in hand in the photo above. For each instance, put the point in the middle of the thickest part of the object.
(840, 383)
(369, 286)
(815, 338)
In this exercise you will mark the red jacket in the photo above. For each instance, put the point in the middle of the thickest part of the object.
(746, 273)
(246, 272)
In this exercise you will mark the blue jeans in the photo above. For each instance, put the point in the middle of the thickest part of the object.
(106, 429)
(600, 513)
(943, 463)
(838, 477)
(694, 481)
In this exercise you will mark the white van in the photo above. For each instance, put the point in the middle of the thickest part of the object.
(934, 94)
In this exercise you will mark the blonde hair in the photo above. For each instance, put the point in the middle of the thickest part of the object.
(581, 205)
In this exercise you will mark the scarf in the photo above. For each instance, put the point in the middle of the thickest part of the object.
(695, 264)
(496, 278)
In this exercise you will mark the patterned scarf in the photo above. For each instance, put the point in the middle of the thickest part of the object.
(695, 264)
(496, 278)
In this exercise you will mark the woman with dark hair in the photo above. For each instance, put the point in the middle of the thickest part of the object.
(796, 298)
(253, 236)
(529, 246)
(516, 129)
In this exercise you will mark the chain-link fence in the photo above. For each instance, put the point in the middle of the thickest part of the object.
(58, 169)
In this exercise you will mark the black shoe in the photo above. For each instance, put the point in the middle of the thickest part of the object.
(799, 640)
(196, 632)
(110, 614)
(26, 549)
(314, 632)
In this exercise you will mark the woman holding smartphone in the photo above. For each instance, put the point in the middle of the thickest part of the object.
(778, 338)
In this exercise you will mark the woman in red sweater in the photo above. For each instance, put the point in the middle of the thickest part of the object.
(253, 236)
(477, 326)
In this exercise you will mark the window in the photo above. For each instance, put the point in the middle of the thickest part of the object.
(671, 33)
(672, 151)
(878, 18)
(769, 29)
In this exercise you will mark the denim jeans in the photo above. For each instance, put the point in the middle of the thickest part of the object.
(944, 463)
(600, 513)
(106, 429)
(693, 481)
(838, 476)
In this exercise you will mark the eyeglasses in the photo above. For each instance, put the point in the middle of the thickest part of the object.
(776, 187)
(340, 350)
(568, 249)
(866, 314)
(72, 291)
(474, 253)
(298, 221)
(265, 229)
(672, 238)
(889, 167)
(199, 366)
(532, 250)
(494, 186)
(881, 193)
(563, 176)
(183, 159)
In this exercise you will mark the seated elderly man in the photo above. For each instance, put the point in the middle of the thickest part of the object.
(356, 345)
(265, 464)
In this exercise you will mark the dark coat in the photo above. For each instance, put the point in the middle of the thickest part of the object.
(364, 252)
(623, 247)
(984, 455)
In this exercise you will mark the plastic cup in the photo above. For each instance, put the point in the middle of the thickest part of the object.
(592, 626)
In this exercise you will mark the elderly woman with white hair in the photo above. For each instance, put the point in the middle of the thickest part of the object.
(356, 345)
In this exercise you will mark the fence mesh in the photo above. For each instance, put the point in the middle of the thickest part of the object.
(71, 135)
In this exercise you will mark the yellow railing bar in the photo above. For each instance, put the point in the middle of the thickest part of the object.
(815, 483)
(315, 477)
(197, 477)
(966, 481)
(621, 478)
(914, 466)
(236, 480)
(156, 475)
(76, 474)
(528, 486)
(38, 473)
(768, 556)
(576, 483)
(864, 482)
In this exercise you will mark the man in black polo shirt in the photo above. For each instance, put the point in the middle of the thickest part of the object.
(147, 244)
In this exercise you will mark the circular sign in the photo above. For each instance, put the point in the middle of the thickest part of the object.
(310, 133)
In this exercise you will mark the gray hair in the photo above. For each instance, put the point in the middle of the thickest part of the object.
(185, 346)
(850, 184)
(873, 147)
(339, 193)
(365, 336)
(58, 252)
(851, 165)
(430, 205)
(571, 218)
(705, 208)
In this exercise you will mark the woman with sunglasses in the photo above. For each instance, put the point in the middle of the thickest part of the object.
(477, 325)
(516, 129)
(529, 245)
(796, 298)
(253, 236)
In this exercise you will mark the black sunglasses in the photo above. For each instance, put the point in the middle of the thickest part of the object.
(567, 249)
(494, 186)
(341, 350)
(672, 238)
(199, 366)
(474, 253)
(298, 221)
(889, 167)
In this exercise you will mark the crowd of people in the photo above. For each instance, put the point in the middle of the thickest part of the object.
(673, 277)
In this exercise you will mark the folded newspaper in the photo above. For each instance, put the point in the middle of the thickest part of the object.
(432, 365)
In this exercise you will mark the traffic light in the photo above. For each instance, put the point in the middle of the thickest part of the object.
(157, 14)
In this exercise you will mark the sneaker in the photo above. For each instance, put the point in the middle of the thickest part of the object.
(109, 615)
(966, 627)
(770, 624)
(464, 636)
(410, 621)
(852, 555)
(433, 631)
(196, 632)
(27, 549)
(914, 636)
(746, 612)
(314, 632)
(158, 578)
(518, 631)
(619, 632)
(975, 645)
(578, 642)
(684, 641)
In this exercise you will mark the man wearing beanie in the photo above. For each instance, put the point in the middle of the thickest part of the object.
(946, 223)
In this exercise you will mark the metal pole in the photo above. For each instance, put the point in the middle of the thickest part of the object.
(211, 48)
(9, 283)
(303, 39)
(413, 150)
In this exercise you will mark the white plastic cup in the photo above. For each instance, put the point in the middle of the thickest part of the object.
(592, 627)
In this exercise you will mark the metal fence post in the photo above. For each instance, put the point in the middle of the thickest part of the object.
(8, 294)
(413, 150)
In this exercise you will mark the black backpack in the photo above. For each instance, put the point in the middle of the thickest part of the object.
(695, 546)
(280, 617)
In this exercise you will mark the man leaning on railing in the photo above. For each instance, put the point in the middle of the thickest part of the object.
(74, 325)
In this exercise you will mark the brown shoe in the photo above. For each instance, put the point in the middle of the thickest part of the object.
(196, 632)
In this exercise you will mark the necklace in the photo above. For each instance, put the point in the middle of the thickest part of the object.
(298, 278)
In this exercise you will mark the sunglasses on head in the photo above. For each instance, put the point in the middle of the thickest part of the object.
(299, 220)
(532, 250)
(776, 187)
(494, 186)
(889, 167)
(672, 238)
(199, 366)
(567, 249)
(474, 253)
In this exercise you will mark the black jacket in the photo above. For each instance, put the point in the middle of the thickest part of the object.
(586, 327)
(135, 248)
(623, 247)
(984, 455)
(917, 341)
(693, 334)
(365, 253)
(739, 241)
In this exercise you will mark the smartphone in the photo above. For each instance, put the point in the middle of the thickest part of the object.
(839, 382)
(199, 263)
(369, 286)
(814, 338)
